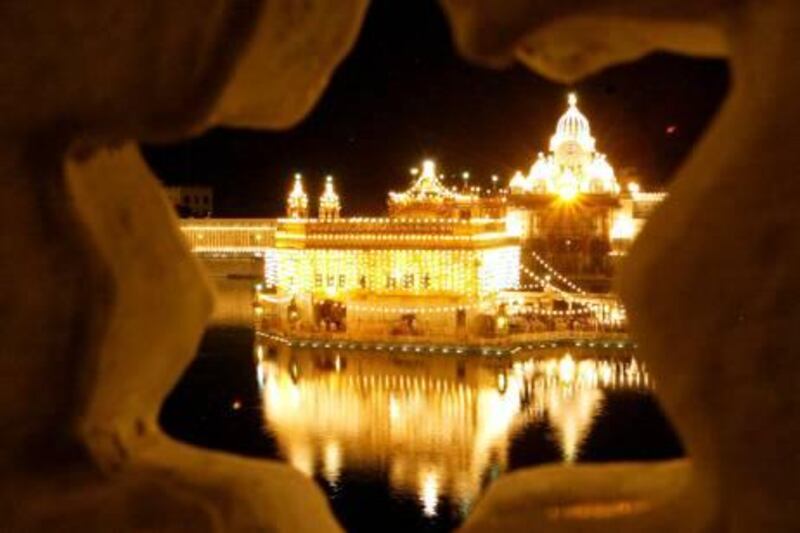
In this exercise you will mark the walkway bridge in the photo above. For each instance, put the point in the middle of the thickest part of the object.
(229, 237)
(233, 252)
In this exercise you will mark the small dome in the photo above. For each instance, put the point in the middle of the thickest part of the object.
(518, 183)
(601, 169)
(541, 170)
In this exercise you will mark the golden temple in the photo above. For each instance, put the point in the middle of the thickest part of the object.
(446, 261)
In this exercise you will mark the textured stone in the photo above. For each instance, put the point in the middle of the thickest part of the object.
(299, 43)
(573, 38)
(118, 468)
(711, 281)
(609, 497)
(103, 305)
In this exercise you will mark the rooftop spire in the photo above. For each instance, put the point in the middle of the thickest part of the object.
(297, 205)
(572, 99)
(329, 205)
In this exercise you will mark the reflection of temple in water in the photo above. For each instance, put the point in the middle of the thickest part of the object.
(438, 426)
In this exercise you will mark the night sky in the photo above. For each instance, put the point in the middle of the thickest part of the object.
(403, 94)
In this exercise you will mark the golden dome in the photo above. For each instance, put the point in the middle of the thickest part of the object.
(573, 126)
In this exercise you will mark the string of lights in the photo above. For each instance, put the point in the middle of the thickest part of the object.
(584, 298)
(558, 275)
(405, 310)
(565, 312)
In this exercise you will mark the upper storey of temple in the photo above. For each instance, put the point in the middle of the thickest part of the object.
(427, 188)
(428, 197)
(572, 166)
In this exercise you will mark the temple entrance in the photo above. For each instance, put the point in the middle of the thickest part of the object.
(330, 316)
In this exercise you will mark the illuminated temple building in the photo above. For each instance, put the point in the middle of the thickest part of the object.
(570, 209)
(448, 261)
(429, 265)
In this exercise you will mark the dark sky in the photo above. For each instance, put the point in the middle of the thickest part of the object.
(404, 94)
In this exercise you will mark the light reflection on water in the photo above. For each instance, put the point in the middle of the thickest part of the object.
(438, 426)
(406, 441)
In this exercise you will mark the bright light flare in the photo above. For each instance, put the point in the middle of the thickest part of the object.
(568, 191)
(623, 228)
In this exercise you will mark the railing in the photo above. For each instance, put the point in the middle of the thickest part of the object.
(229, 236)
(507, 341)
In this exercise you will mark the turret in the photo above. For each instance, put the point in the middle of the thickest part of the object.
(297, 203)
(329, 204)
(518, 184)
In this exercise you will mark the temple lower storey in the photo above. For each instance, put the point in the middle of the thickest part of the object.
(507, 319)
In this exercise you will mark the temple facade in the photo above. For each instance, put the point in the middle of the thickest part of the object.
(429, 266)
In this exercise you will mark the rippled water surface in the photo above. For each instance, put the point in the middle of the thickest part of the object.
(407, 442)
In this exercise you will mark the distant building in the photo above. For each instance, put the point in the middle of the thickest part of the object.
(570, 209)
(192, 200)
(445, 260)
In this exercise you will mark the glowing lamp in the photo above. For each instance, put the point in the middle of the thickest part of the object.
(568, 190)
(623, 228)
